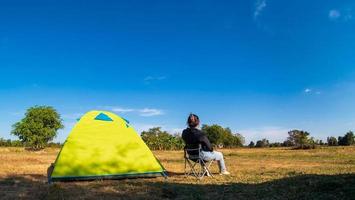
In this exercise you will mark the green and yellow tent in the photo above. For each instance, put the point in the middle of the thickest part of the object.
(103, 145)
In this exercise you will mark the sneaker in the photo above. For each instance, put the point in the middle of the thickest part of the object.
(207, 172)
(225, 173)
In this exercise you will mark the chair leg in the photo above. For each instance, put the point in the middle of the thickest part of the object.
(200, 172)
(192, 169)
(206, 166)
(185, 168)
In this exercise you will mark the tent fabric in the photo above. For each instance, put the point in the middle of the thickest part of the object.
(99, 149)
(103, 117)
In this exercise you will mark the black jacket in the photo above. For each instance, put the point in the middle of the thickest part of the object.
(193, 137)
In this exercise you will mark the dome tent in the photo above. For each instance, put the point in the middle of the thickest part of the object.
(103, 145)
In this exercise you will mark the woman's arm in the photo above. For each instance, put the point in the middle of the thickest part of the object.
(206, 142)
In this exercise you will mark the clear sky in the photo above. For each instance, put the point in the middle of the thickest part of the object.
(260, 67)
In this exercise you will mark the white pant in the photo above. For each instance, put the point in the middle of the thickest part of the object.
(215, 155)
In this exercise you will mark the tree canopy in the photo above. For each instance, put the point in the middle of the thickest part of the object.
(38, 127)
(157, 139)
(299, 138)
(347, 139)
(332, 141)
(222, 137)
(262, 143)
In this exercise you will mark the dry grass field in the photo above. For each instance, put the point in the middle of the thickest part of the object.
(275, 173)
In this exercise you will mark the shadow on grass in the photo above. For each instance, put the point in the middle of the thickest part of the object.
(298, 187)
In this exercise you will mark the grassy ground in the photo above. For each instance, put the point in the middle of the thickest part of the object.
(275, 173)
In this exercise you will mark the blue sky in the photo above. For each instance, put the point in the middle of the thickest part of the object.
(260, 67)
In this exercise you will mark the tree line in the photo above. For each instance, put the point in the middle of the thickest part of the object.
(41, 123)
(299, 139)
(19, 143)
(156, 139)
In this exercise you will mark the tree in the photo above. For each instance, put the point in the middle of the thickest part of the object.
(275, 144)
(157, 139)
(215, 133)
(241, 139)
(262, 143)
(251, 144)
(347, 140)
(38, 127)
(222, 137)
(299, 139)
(332, 141)
(321, 142)
(287, 143)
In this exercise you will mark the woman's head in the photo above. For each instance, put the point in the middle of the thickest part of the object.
(193, 121)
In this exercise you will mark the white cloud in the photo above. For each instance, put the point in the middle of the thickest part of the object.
(177, 130)
(311, 91)
(17, 113)
(148, 112)
(348, 16)
(122, 110)
(259, 7)
(144, 112)
(344, 15)
(150, 79)
(271, 133)
(144, 127)
(307, 90)
(334, 14)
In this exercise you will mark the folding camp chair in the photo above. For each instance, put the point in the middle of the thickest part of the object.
(198, 167)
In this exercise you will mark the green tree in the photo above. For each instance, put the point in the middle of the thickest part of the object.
(332, 141)
(347, 140)
(287, 143)
(275, 144)
(215, 133)
(262, 143)
(251, 144)
(157, 139)
(38, 127)
(321, 142)
(299, 139)
(222, 137)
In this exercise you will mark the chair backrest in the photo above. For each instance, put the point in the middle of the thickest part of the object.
(192, 152)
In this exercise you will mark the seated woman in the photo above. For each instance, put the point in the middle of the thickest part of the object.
(194, 136)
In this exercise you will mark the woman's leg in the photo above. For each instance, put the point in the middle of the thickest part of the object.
(219, 157)
(215, 155)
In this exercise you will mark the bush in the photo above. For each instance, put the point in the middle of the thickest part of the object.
(10, 143)
(55, 144)
(275, 144)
